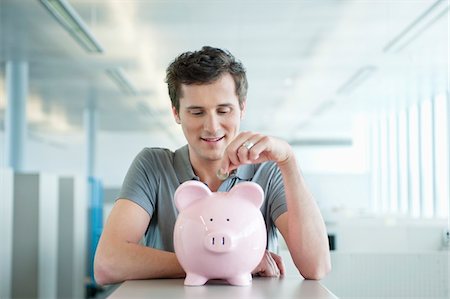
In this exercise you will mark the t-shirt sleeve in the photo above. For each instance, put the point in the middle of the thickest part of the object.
(140, 184)
(276, 194)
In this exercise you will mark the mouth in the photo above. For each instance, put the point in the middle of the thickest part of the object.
(212, 139)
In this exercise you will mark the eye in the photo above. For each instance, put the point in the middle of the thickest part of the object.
(228, 219)
(223, 110)
(196, 113)
(210, 219)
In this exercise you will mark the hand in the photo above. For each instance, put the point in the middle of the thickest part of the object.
(271, 265)
(253, 148)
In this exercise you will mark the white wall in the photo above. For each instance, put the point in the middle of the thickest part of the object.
(66, 154)
(341, 194)
(116, 151)
(387, 234)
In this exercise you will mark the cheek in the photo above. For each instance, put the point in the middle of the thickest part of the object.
(234, 122)
(190, 125)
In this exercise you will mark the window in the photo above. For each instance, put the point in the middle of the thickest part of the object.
(393, 163)
(410, 160)
(403, 158)
(414, 169)
(426, 159)
(384, 165)
(375, 165)
(441, 152)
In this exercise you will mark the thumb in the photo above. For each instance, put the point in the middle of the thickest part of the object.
(223, 171)
(226, 167)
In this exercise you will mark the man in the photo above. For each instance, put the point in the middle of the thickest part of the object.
(208, 92)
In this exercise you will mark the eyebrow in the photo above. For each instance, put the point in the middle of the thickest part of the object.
(201, 107)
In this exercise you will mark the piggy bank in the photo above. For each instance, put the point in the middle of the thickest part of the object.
(219, 235)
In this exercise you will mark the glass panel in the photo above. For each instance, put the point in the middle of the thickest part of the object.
(375, 166)
(384, 190)
(403, 153)
(426, 159)
(392, 164)
(441, 150)
(414, 175)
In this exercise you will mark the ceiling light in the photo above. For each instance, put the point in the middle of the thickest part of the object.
(324, 106)
(66, 15)
(418, 26)
(357, 79)
(119, 77)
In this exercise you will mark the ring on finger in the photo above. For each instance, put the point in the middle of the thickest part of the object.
(248, 144)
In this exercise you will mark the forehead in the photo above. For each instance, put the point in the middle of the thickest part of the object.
(221, 91)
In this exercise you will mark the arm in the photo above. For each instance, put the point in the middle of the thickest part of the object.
(302, 225)
(119, 255)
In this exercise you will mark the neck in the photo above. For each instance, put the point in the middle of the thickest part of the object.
(206, 171)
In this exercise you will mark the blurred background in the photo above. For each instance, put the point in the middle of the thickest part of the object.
(360, 89)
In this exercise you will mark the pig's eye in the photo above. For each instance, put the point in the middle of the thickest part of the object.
(210, 219)
(228, 219)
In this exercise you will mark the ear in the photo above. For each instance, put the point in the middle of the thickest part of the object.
(176, 115)
(190, 192)
(249, 191)
(243, 109)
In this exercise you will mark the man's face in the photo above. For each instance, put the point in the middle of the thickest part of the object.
(210, 116)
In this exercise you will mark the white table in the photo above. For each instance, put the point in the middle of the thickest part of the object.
(285, 287)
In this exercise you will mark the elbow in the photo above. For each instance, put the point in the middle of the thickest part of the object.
(101, 274)
(317, 271)
(103, 271)
(317, 274)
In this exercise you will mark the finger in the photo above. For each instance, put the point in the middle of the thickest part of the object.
(242, 154)
(225, 168)
(246, 152)
(272, 269)
(232, 149)
(279, 261)
(262, 268)
(260, 145)
(232, 158)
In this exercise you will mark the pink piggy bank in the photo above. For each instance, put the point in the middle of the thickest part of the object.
(219, 235)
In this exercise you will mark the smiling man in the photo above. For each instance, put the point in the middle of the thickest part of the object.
(208, 91)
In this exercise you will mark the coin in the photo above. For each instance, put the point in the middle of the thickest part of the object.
(222, 175)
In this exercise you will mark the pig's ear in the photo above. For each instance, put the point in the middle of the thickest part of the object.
(249, 191)
(190, 192)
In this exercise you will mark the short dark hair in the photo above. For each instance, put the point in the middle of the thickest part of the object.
(203, 67)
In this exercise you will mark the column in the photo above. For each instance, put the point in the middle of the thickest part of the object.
(15, 118)
(6, 231)
(90, 116)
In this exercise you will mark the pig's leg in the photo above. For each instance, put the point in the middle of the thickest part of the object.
(241, 280)
(193, 279)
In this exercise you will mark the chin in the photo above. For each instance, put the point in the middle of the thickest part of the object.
(213, 155)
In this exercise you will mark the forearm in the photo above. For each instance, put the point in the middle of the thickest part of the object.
(125, 261)
(306, 233)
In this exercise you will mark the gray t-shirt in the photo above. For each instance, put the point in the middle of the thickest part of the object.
(156, 173)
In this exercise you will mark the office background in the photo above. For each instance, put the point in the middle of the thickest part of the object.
(360, 89)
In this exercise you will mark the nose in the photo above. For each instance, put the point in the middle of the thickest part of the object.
(212, 124)
(218, 242)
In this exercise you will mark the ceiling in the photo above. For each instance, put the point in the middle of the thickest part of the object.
(302, 59)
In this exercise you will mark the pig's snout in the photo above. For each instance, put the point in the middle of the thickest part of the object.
(218, 242)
